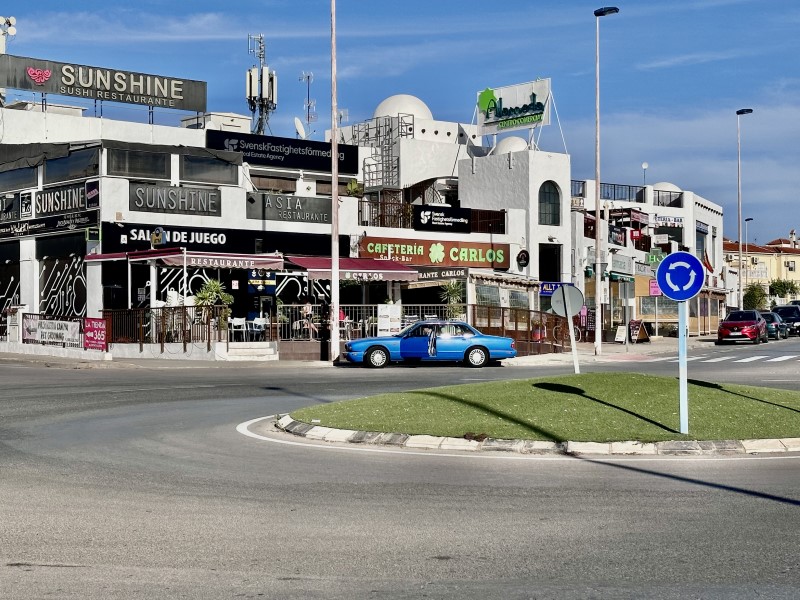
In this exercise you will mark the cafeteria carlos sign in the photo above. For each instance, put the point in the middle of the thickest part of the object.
(436, 252)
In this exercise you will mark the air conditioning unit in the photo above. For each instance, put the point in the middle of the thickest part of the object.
(729, 258)
(754, 260)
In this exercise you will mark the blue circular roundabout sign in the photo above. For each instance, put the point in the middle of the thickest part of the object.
(680, 276)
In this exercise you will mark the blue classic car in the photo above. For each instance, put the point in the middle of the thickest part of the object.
(431, 340)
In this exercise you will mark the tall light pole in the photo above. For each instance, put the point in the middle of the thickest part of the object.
(334, 305)
(598, 256)
(746, 249)
(739, 113)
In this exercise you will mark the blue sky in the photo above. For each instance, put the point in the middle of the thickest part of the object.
(671, 78)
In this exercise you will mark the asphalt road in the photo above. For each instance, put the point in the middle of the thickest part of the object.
(119, 483)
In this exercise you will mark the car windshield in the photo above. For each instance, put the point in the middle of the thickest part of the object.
(742, 315)
(787, 311)
(769, 317)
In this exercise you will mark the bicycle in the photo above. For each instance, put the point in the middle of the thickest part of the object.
(558, 330)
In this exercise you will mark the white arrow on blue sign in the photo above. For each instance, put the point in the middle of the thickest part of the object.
(680, 276)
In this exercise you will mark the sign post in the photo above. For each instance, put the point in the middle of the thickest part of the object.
(567, 301)
(680, 277)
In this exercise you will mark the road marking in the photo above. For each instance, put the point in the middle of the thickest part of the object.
(718, 359)
(750, 359)
(688, 358)
(782, 358)
(243, 428)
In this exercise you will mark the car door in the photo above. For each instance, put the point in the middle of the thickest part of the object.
(415, 344)
(451, 342)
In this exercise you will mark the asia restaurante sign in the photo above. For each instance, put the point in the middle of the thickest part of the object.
(437, 253)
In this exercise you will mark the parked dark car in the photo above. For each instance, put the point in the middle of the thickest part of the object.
(795, 302)
(776, 327)
(742, 326)
(790, 313)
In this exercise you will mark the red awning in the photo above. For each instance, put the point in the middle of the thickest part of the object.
(360, 269)
(207, 260)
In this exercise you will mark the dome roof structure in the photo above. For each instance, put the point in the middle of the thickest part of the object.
(510, 144)
(403, 103)
(665, 186)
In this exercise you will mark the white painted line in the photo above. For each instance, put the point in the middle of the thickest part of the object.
(750, 359)
(782, 358)
(243, 428)
(718, 359)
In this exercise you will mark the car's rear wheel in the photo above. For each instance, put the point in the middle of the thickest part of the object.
(757, 340)
(476, 357)
(377, 357)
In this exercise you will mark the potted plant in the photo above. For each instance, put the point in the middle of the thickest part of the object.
(213, 293)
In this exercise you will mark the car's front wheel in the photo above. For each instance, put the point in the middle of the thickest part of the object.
(476, 357)
(377, 357)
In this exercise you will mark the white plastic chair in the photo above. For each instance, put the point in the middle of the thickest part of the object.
(238, 324)
(258, 328)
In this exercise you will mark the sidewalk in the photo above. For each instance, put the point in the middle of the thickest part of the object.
(614, 351)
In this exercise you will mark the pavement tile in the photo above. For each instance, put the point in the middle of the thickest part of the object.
(284, 421)
(792, 444)
(298, 428)
(763, 446)
(392, 439)
(492, 444)
(728, 446)
(679, 447)
(365, 437)
(339, 435)
(451, 443)
(588, 448)
(317, 432)
(632, 447)
(541, 447)
(423, 441)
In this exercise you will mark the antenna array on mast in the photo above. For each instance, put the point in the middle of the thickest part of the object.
(261, 86)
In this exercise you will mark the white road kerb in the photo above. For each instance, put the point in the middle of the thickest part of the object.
(428, 442)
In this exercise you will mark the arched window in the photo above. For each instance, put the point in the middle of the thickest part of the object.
(549, 204)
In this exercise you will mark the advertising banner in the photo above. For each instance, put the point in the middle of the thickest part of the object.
(296, 209)
(96, 83)
(94, 334)
(55, 224)
(145, 197)
(44, 331)
(437, 253)
(284, 153)
(429, 217)
(510, 108)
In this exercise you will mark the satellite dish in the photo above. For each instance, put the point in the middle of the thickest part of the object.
(299, 129)
(12, 30)
(12, 20)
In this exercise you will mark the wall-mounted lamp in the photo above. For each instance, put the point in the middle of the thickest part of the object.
(552, 238)
(613, 250)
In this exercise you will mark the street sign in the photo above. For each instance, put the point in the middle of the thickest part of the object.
(680, 276)
(567, 301)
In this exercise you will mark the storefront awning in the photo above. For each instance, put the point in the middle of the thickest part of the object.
(360, 269)
(175, 257)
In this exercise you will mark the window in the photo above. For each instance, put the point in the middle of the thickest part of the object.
(78, 165)
(790, 265)
(133, 163)
(208, 169)
(518, 299)
(18, 179)
(549, 204)
(487, 295)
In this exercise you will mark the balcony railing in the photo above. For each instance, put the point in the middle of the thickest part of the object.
(622, 193)
(670, 199)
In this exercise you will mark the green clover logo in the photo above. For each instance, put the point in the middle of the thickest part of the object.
(436, 253)
(486, 100)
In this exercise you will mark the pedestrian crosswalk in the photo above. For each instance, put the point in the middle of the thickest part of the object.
(730, 359)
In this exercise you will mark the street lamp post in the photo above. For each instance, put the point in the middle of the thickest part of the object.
(334, 305)
(739, 113)
(598, 273)
(746, 250)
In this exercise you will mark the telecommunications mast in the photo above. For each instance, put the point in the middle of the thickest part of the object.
(261, 86)
(310, 104)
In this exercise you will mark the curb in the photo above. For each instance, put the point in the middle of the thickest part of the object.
(428, 442)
